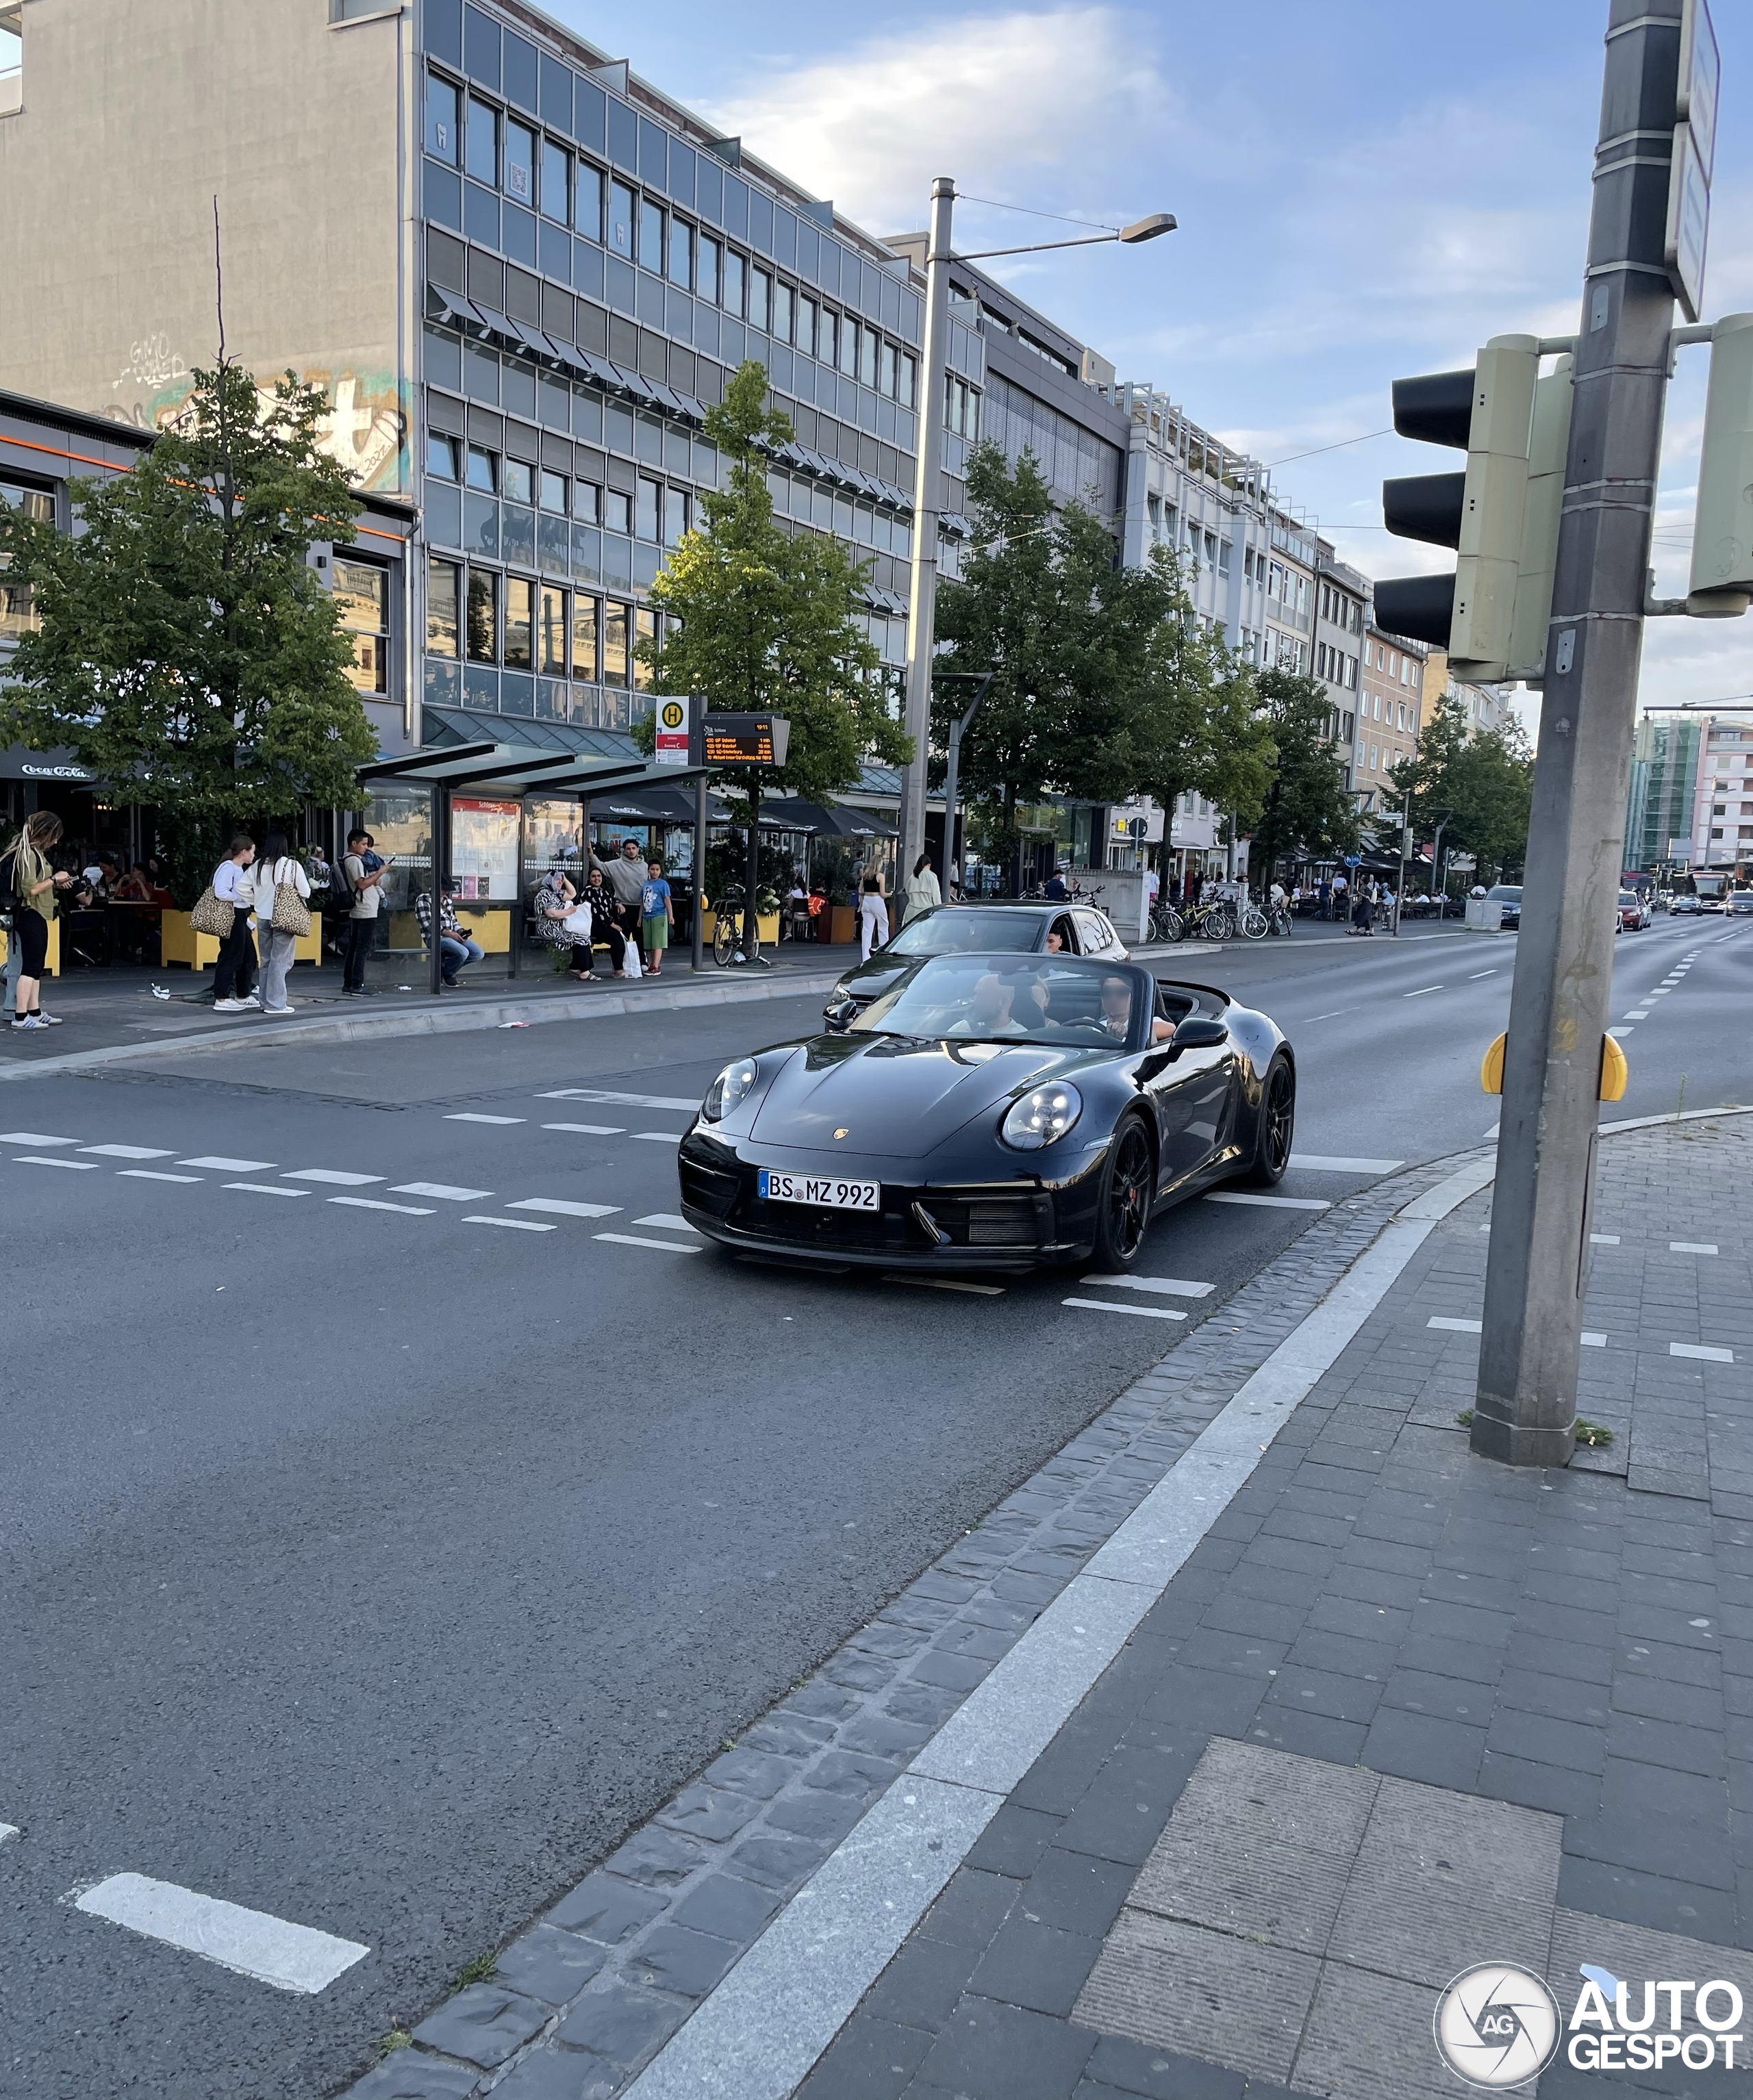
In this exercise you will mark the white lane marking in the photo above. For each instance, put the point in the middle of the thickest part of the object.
(1333, 1016)
(7, 1831)
(1268, 1202)
(514, 1224)
(1618, 1032)
(946, 1283)
(1636, 1013)
(622, 1100)
(1333, 1162)
(227, 1166)
(48, 1159)
(332, 1175)
(1421, 991)
(564, 1208)
(757, 2036)
(660, 1136)
(590, 1129)
(442, 1189)
(32, 1137)
(668, 1219)
(467, 1115)
(1171, 1286)
(291, 1958)
(1454, 1326)
(1605, 1239)
(1691, 1246)
(1704, 1354)
(372, 1203)
(1593, 1341)
(126, 1151)
(1493, 1131)
(1659, 991)
(633, 1239)
(146, 1174)
(265, 1189)
(1477, 974)
(1137, 1311)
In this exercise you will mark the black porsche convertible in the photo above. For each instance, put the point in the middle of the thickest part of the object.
(990, 1111)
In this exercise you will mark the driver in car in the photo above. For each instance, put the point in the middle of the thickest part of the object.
(1117, 1013)
(988, 1010)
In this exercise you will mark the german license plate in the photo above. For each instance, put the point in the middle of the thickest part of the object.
(820, 1188)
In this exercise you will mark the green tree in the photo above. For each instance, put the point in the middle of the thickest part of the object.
(186, 651)
(1067, 631)
(1307, 811)
(1479, 787)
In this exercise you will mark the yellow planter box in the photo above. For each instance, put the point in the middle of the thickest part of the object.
(491, 925)
(53, 965)
(179, 943)
(766, 928)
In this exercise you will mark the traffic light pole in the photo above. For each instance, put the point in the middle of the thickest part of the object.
(1537, 1270)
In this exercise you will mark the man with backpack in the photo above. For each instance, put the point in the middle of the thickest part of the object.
(362, 892)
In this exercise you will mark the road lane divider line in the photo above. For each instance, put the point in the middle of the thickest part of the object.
(442, 1189)
(1268, 1202)
(332, 1175)
(34, 1137)
(1592, 1340)
(49, 1159)
(513, 1224)
(1691, 1246)
(1616, 1033)
(1113, 1305)
(946, 1283)
(1171, 1286)
(660, 1136)
(1477, 974)
(465, 1116)
(1333, 1016)
(1604, 1239)
(668, 1219)
(127, 1151)
(250, 1942)
(1704, 1353)
(146, 1173)
(590, 1129)
(264, 1189)
(1326, 1163)
(374, 1203)
(564, 1208)
(1455, 1326)
(1421, 991)
(634, 1239)
(228, 1166)
(757, 2034)
(622, 1100)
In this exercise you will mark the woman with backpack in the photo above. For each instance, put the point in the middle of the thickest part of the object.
(277, 916)
(25, 871)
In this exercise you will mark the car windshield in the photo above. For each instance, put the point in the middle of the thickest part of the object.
(1629, 897)
(1002, 998)
(945, 932)
(1508, 893)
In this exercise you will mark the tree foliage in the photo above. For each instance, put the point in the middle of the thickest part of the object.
(1479, 787)
(187, 652)
(1307, 811)
(769, 618)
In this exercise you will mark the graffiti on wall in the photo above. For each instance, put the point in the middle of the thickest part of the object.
(365, 428)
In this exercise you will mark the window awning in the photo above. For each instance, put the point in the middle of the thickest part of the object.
(521, 768)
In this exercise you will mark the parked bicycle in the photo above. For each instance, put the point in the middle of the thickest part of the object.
(727, 931)
(1279, 921)
(1254, 922)
(1167, 924)
(1214, 921)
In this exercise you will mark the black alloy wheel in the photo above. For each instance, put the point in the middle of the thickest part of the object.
(1127, 1189)
(1276, 1126)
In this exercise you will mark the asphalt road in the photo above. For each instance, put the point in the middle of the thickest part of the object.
(376, 1568)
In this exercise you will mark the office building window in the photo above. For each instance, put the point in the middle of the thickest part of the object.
(644, 672)
(784, 301)
(553, 491)
(677, 516)
(584, 663)
(587, 201)
(760, 300)
(868, 344)
(482, 141)
(441, 119)
(483, 616)
(362, 595)
(616, 620)
(885, 379)
(519, 595)
(483, 470)
(828, 335)
(520, 163)
(807, 324)
(441, 456)
(556, 182)
(587, 502)
(442, 580)
(620, 220)
(706, 272)
(519, 483)
(681, 254)
(849, 346)
(733, 282)
(551, 633)
(648, 523)
(617, 511)
(652, 235)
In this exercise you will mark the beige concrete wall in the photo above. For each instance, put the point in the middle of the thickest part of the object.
(134, 114)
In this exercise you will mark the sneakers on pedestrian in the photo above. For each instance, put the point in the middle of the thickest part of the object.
(49, 1019)
(233, 1005)
(287, 1008)
(29, 1021)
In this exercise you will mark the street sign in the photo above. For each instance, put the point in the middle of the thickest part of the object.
(673, 719)
(1354, 860)
(1689, 197)
(745, 739)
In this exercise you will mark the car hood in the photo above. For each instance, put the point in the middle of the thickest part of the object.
(897, 1095)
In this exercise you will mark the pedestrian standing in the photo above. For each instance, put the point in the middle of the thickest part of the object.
(873, 918)
(364, 886)
(625, 873)
(280, 869)
(33, 884)
(921, 892)
(657, 914)
(234, 974)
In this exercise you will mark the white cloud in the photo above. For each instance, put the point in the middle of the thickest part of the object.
(990, 99)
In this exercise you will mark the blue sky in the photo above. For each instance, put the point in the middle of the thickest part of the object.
(1366, 189)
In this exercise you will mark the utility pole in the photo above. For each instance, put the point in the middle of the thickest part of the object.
(922, 618)
(1537, 1268)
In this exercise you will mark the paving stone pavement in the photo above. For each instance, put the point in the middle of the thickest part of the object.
(1572, 1649)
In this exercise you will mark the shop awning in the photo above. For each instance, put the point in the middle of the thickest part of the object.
(792, 814)
(520, 768)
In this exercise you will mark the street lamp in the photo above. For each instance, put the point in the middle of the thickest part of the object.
(922, 611)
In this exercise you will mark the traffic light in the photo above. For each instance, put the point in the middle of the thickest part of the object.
(1501, 515)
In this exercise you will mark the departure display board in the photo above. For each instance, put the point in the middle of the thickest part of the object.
(745, 739)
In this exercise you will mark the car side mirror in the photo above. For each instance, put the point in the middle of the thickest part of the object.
(1201, 1032)
(840, 1014)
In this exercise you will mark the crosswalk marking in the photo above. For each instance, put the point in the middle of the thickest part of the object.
(126, 1151)
(372, 1203)
(1454, 1326)
(48, 1159)
(660, 1136)
(1268, 1202)
(1701, 1350)
(291, 1958)
(1593, 1341)
(1171, 1286)
(441, 1189)
(622, 1100)
(146, 1174)
(265, 1189)
(1138, 1311)
(466, 1116)
(334, 1176)
(1691, 1246)
(512, 1224)
(564, 1208)
(633, 1239)
(1605, 1239)
(590, 1129)
(668, 1219)
(32, 1137)
(227, 1166)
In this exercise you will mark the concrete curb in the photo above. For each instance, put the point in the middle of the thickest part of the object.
(437, 1020)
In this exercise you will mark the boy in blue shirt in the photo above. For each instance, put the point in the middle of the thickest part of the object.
(657, 914)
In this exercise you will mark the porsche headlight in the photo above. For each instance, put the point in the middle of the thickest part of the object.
(731, 1085)
(1041, 1118)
